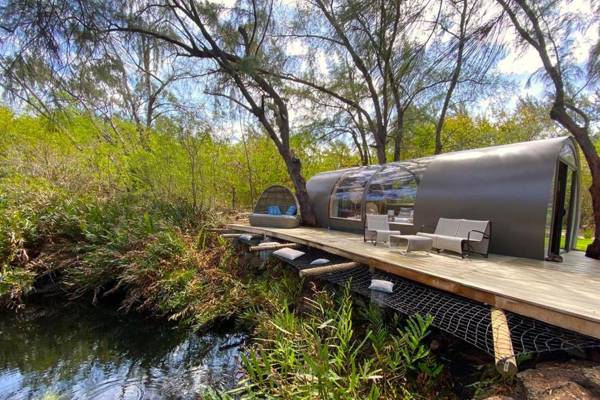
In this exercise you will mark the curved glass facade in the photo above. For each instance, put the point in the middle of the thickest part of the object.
(393, 190)
(347, 196)
(567, 154)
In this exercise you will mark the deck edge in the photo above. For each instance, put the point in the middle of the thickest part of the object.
(577, 323)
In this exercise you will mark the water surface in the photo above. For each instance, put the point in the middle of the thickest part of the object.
(91, 355)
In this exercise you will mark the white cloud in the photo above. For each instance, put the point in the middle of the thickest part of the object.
(519, 62)
(296, 47)
(583, 42)
(224, 3)
(291, 3)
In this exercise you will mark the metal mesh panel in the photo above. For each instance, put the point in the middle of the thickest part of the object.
(463, 318)
(530, 335)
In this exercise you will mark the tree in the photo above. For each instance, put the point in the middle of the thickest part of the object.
(234, 43)
(191, 132)
(381, 70)
(129, 79)
(473, 47)
(540, 25)
(148, 72)
(387, 57)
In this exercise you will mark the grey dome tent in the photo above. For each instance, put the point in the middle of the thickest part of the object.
(529, 191)
(277, 207)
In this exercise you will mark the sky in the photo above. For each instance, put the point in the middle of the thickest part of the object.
(518, 66)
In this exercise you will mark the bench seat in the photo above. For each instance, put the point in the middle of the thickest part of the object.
(275, 221)
(462, 236)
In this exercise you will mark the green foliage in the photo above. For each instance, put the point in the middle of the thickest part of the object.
(322, 353)
(463, 131)
(157, 258)
(170, 165)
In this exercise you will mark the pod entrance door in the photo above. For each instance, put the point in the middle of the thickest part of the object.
(564, 196)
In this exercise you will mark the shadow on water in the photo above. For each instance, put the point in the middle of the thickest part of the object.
(91, 355)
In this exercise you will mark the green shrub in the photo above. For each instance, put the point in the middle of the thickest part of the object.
(159, 258)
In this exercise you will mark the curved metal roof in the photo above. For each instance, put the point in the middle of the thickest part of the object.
(510, 185)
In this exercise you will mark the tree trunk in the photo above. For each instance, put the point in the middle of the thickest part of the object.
(294, 167)
(365, 146)
(440, 122)
(453, 81)
(381, 156)
(593, 250)
(380, 145)
(233, 198)
(581, 134)
(359, 148)
(398, 138)
(248, 167)
(363, 137)
(193, 181)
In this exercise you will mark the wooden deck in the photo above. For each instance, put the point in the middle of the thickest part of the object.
(564, 294)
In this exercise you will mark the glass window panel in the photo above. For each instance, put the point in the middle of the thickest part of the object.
(346, 201)
(567, 154)
(393, 191)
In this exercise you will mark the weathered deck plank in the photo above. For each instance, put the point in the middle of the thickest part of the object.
(564, 294)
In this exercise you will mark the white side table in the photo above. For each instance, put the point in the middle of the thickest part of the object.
(384, 236)
(414, 242)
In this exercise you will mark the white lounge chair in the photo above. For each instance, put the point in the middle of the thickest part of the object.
(463, 236)
(378, 229)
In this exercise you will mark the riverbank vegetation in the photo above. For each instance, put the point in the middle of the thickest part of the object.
(162, 261)
(320, 354)
(69, 232)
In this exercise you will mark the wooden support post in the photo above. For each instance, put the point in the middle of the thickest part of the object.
(506, 363)
(328, 268)
(273, 246)
(230, 235)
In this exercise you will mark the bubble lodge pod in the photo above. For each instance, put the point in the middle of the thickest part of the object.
(529, 191)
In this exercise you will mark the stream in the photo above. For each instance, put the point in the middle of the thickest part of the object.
(89, 354)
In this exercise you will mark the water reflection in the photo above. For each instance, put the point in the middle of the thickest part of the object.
(92, 356)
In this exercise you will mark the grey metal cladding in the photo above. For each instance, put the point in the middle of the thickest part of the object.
(510, 185)
(319, 189)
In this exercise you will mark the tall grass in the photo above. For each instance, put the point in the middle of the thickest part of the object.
(153, 257)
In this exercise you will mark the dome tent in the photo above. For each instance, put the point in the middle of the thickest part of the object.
(530, 191)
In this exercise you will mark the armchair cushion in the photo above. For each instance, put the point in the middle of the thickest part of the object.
(273, 210)
(291, 210)
(447, 227)
(472, 229)
(288, 253)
